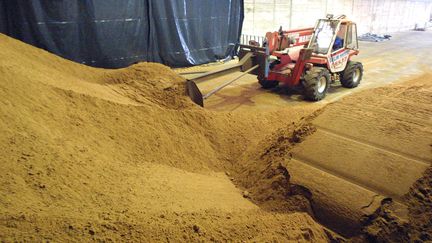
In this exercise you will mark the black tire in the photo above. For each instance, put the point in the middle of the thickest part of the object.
(352, 75)
(313, 85)
(268, 84)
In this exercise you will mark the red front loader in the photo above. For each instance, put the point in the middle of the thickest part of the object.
(310, 58)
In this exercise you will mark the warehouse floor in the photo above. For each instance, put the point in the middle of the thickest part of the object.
(124, 155)
(407, 54)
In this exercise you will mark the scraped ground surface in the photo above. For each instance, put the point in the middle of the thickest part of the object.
(92, 154)
(369, 146)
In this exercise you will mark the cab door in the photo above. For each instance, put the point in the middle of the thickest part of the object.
(340, 52)
(352, 42)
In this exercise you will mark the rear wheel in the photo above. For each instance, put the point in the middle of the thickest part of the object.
(268, 84)
(352, 75)
(316, 83)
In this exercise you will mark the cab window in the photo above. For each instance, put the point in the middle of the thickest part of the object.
(340, 38)
(322, 39)
(352, 37)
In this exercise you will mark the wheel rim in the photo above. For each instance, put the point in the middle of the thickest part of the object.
(322, 84)
(356, 75)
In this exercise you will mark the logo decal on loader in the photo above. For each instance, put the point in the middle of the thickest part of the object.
(299, 38)
(337, 61)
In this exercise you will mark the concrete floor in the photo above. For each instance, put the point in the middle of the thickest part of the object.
(407, 54)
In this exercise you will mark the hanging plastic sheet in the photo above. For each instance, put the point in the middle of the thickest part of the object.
(117, 33)
(3, 22)
(195, 32)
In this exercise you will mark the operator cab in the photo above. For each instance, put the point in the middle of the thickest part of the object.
(332, 35)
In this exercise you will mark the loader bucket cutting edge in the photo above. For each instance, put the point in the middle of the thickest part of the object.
(194, 93)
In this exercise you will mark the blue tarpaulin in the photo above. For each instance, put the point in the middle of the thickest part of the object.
(117, 33)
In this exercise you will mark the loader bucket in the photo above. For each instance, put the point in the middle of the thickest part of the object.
(194, 93)
(245, 65)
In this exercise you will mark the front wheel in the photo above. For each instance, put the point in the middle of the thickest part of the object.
(352, 75)
(316, 83)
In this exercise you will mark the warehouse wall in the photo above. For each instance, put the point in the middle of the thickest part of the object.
(376, 16)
